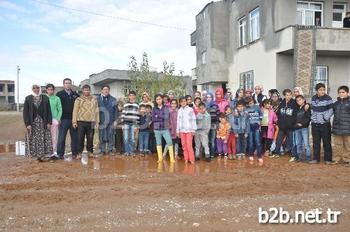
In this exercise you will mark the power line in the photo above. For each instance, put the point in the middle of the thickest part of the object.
(113, 17)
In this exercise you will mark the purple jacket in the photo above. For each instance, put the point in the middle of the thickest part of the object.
(160, 118)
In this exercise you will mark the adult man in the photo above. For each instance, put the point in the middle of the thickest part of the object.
(346, 20)
(107, 105)
(68, 97)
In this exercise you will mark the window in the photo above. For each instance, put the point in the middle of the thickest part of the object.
(321, 77)
(310, 13)
(1, 88)
(11, 99)
(339, 12)
(11, 88)
(242, 31)
(204, 57)
(254, 25)
(247, 80)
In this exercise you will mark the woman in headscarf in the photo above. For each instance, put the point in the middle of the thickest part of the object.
(220, 100)
(37, 118)
(146, 100)
(297, 91)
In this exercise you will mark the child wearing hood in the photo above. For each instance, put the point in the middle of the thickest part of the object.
(214, 112)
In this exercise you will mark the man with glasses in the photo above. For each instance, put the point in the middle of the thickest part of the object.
(68, 97)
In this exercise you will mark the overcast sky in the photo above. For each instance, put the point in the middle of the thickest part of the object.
(50, 43)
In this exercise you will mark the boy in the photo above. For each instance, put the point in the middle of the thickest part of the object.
(214, 112)
(202, 132)
(86, 118)
(222, 135)
(241, 128)
(321, 113)
(145, 123)
(130, 119)
(286, 114)
(341, 126)
(254, 136)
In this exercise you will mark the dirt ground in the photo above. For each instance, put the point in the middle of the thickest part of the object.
(135, 194)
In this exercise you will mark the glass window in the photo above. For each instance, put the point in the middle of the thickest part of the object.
(242, 31)
(310, 13)
(247, 80)
(321, 76)
(11, 88)
(339, 12)
(1, 87)
(11, 99)
(254, 24)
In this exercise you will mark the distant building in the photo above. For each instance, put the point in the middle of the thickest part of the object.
(7, 94)
(119, 81)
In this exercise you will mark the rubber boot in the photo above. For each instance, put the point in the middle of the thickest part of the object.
(171, 154)
(159, 153)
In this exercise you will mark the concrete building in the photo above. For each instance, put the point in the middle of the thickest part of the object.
(277, 43)
(119, 82)
(7, 93)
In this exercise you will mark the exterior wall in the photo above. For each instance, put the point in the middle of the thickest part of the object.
(284, 71)
(338, 72)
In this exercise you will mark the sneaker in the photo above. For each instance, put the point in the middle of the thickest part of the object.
(208, 159)
(251, 158)
(260, 160)
(225, 156)
(314, 162)
(330, 163)
(293, 159)
(84, 159)
(230, 157)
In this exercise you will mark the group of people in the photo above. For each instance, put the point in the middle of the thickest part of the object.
(248, 125)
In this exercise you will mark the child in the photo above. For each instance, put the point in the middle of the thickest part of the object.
(130, 120)
(231, 143)
(268, 123)
(341, 128)
(145, 123)
(189, 100)
(241, 128)
(302, 129)
(173, 123)
(254, 136)
(185, 128)
(222, 135)
(322, 111)
(160, 118)
(202, 132)
(197, 101)
(286, 114)
(214, 112)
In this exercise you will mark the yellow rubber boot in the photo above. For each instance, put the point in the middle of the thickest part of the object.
(171, 154)
(160, 154)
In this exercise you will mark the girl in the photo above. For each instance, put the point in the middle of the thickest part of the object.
(37, 118)
(231, 143)
(173, 123)
(189, 100)
(185, 128)
(239, 96)
(268, 123)
(222, 135)
(160, 119)
(197, 101)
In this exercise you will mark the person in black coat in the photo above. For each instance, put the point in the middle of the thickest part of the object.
(346, 20)
(37, 118)
(341, 126)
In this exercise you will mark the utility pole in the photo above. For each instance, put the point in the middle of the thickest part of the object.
(18, 69)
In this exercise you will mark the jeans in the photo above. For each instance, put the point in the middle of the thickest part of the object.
(302, 143)
(289, 140)
(86, 129)
(322, 132)
(106, 138)
(129, 138)
(144, 141)
(66, 124)
(212, 139)
(159, 134)
(254, 142)
(241, 144)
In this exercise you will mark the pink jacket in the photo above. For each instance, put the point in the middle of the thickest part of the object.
(222, 102)
(271, 124)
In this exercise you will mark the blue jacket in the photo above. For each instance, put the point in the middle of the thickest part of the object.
(108, 109)
(255, 115)
(240, 123)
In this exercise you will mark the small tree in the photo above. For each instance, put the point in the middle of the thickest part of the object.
(144, 80)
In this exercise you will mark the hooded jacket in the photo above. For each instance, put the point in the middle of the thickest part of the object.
(341, 121)
(286, 114)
